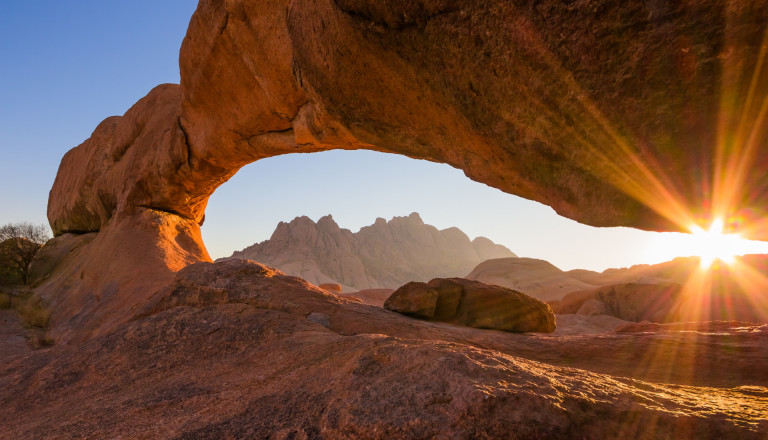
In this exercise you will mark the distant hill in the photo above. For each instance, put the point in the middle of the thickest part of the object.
(386, 254)
(672, 291)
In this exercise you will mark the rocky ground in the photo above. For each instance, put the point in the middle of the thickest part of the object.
(238, 350)
(13, 337)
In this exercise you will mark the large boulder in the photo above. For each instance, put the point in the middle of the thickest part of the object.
(415, 299)
(473, 304)
(655, 302)
(450, 295)
(496, 307)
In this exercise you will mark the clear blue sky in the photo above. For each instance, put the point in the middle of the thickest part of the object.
(68, 65)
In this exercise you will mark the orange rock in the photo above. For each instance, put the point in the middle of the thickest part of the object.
(605, 128)
(333, 287)
(374, 297)
(414, 299)
(612, 116)
(474, 304)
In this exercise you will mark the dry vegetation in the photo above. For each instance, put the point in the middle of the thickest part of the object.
(5, 301)
(35, 316)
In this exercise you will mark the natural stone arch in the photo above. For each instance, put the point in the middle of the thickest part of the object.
(613, 113)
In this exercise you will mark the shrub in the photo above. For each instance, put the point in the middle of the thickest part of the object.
(19, 243)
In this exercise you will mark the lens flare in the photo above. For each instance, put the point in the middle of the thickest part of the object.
(715, 245)
(712, 245)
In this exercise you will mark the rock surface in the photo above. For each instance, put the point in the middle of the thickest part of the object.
(626, 113)
(600, 111)
(333, 287)
(374, 297)
(238, 349)
(13, 337)
(414, 299)
(386, 254)
(537, 278)
(473, 304)
(101, 282)
(495, 307)
(634, 302)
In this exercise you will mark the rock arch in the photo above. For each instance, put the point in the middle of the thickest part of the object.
(614, 113)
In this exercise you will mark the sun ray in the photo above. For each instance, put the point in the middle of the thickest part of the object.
(736, 147)
(624, 162)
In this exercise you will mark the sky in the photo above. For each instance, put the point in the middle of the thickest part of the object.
(68, 65)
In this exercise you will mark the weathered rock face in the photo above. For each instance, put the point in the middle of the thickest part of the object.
(473, 304)
(495, 307)
(597, 110)
(630, 302)
(238, 349)
(386, 254)
(104, 278)
(636, 113)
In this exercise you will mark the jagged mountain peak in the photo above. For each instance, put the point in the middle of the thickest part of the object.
(385, 254)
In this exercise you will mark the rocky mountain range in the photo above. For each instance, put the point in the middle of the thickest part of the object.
(386, 254)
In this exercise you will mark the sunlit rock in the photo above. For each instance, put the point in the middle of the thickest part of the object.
(474, 304)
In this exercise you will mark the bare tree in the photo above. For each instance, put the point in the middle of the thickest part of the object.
(19, 242)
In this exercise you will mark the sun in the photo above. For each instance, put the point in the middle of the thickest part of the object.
(709, 245)
(714, 244)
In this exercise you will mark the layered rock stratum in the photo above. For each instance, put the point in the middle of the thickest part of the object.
(386, 254)
(638, 113)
